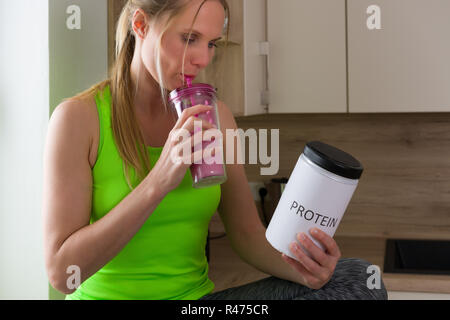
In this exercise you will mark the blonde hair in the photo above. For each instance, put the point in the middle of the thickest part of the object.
(128, 137)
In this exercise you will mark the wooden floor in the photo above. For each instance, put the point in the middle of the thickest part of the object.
(228, 270)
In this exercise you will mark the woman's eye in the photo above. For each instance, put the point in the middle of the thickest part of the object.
(210, 45)
(190, 40)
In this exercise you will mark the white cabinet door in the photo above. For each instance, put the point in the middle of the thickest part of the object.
(405, 65)
(307, 62)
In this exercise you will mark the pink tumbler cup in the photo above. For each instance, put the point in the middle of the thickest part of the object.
(207, 173)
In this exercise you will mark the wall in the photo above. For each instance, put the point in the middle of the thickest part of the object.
(404, 190)
(78, 57)
(24, 113)
(41, 63)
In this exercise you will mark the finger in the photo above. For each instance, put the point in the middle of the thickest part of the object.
(208, 152)
(181, 152)
(197, 139)
(197, 155)
(189, 154)
(199, 142)
(308, 278)
(316, 252)
(310, 265)
(212, 135)
(186, 143)
(177, 136)
(194, 125)
(191, 112)
(328, 242)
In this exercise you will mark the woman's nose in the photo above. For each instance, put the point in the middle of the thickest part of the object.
(202, 57)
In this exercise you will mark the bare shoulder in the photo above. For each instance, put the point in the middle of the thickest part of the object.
(78, 119)
(77, 115)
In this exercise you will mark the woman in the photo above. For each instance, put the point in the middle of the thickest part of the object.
(119, 210)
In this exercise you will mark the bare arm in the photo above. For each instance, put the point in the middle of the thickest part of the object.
(239, 214)
(247, 234)
(69, 239)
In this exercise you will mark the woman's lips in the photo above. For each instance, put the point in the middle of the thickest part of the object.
(188, 75)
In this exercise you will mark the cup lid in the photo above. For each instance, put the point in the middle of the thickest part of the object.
(333, 160)
(195, 87)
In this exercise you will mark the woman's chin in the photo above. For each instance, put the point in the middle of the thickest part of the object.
(175, 84)
(178, 84)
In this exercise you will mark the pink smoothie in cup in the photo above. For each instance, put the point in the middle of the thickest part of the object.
(203, 174)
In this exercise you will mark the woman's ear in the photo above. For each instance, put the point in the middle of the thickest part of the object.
(139, 24)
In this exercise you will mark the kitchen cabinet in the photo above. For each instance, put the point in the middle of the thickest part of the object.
(292, 58)
(307, 59)
(281, 65)
(324, 58)
(320, 56)
(238, 70)
(405, 65)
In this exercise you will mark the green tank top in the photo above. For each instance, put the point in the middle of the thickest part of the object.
(166, 258)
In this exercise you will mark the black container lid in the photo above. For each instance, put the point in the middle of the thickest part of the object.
(333, 160)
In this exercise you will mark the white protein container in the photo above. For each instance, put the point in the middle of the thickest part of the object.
(316, 195)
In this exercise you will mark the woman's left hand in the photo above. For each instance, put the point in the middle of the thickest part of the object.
(318, 270)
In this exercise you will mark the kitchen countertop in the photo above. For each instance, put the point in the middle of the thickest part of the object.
(228, 270)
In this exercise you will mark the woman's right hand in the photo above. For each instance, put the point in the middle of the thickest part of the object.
(168, 173)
